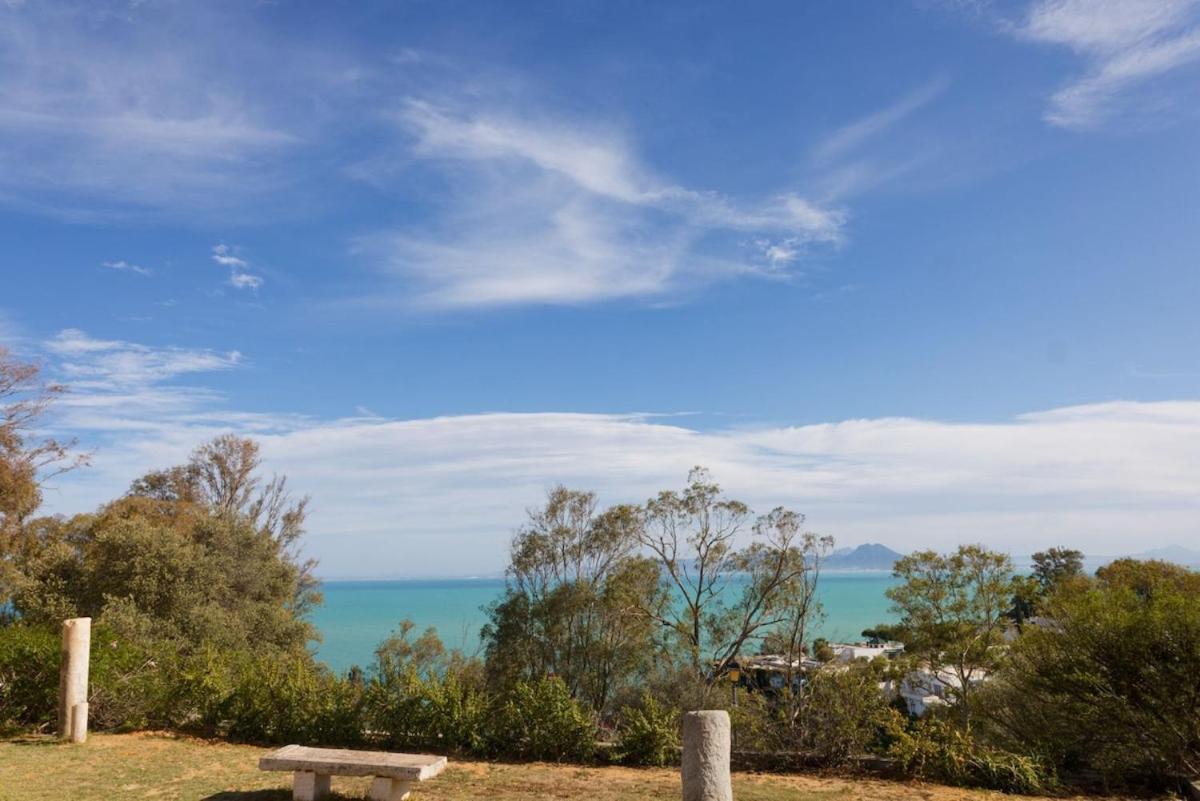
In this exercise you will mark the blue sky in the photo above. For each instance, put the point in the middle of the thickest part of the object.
(926, 271)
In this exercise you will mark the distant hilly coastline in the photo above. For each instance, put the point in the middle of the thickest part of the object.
(869, 556)
(1172, 553)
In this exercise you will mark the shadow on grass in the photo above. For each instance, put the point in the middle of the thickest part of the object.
(44, 740)
(267, 795)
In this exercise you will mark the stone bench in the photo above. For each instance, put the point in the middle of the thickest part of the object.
(395, 774)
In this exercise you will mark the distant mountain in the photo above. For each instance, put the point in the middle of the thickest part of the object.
(1172, 553)
(871, 556)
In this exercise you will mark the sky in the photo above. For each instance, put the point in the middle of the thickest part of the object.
(924, 271)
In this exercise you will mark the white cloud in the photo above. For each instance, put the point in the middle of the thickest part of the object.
(245, 281)
(126, 267)
(549, 212)
(441, 495)
(238, 277)
(223, 255)
(1125, 42)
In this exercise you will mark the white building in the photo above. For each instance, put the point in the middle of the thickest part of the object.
(925, 688)
(850, 651)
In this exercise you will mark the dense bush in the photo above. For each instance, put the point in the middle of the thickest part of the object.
(445, 713)
(127, 684)
(934, 748)
(1110, 683)
(648, 734)
(29, 661)
(843, 713)
(540, 720)
(275, 700)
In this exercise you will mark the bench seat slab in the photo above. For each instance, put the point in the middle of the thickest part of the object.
(344, 762)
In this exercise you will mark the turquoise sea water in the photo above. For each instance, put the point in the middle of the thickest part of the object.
(358, 614)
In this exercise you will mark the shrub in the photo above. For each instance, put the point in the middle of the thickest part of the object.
(29, 661)
(1107, 683)
(933, 748)
(125, 687)
(447, 712)
(648, 734)
(843, 713)
(293, 699)
(539, 720)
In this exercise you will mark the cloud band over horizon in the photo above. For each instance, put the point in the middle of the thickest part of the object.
(385, 490)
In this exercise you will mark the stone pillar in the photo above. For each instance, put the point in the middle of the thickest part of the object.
(706, 756)
(73, 679)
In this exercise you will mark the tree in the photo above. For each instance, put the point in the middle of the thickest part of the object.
(573, 603)
(169, 562)
(1110, 682)
(1051, 569)
(221, 476)
(27, 460)
(952, 612)
(693, 535)
(800, 610)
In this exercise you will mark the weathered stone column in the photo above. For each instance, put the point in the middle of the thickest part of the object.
(73, 679)
(706, 756)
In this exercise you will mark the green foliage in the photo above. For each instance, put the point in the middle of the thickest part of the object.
(539, 720)
(449, 712)
(952, 610)
(125, 681)
(1052, 568)
(934, 748)
(186, 577)
(573, 603)
(278, 700)
(693, 535)
(843, 713)
(29, 661)
(648, 734)
(1109, 684)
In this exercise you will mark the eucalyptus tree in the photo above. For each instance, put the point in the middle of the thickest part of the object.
(952, 609)
(732, 579)
(574, 600)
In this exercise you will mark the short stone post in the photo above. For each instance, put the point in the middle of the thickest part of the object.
(706, 756)
(73, 679)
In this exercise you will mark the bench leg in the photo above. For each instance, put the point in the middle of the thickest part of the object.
(309, 786)
(385, 789)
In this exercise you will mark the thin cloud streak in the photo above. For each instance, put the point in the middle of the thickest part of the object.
(853, 136)
(125, 267)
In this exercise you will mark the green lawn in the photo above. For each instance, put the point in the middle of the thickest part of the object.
(159, 766)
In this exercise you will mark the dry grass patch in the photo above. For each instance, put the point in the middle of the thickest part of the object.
(165, 767)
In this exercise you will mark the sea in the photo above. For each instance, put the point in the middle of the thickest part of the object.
(358, 615)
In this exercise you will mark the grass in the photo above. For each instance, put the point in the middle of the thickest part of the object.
(163, 766)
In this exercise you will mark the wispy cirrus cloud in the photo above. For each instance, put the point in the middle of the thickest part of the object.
(123, 266)
(96, 364)
(110, 108)
(1081, 476)
(1126, 43)
(563, 212)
